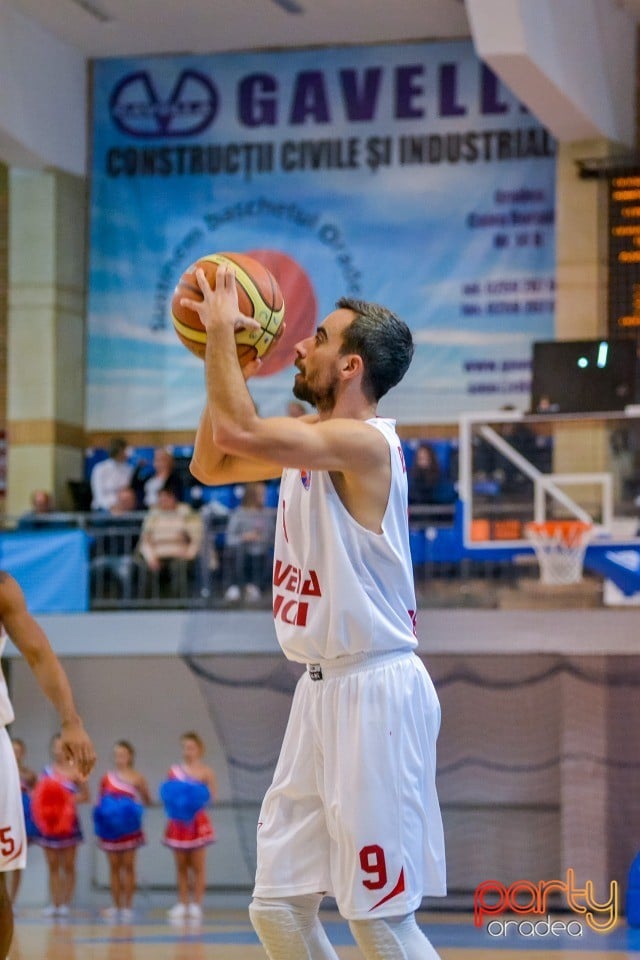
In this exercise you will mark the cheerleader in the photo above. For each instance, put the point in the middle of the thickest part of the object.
(53, 807)
(190, 785)
(118, 823)
(27, 783)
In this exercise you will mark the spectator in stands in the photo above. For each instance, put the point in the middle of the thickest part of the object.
(523, 440)
(41, 503)
(172, 532)
(125, 503)
(41, 511)
(424, 475)
(248, 544)
(165, 476)
(43, 515)
(115, 535)
(110, 475)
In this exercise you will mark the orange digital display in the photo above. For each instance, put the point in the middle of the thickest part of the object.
(624, 254)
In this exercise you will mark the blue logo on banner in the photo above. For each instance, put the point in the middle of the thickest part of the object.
(137, 109)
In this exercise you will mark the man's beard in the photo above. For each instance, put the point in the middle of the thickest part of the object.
(323, 399)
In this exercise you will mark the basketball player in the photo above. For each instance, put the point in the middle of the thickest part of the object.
(352, 810)
(29, 638)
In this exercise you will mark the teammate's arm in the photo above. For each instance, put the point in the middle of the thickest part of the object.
(32, 642)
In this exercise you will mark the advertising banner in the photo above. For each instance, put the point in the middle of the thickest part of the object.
(403, 174)
(52, 569)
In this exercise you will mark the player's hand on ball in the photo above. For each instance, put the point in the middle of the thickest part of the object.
(251, 368)
(243, 299)
(219, 305)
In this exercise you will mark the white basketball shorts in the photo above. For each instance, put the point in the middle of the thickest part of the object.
(352, 810)
(13, 836)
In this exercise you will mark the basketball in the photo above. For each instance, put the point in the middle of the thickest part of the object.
(259, 296)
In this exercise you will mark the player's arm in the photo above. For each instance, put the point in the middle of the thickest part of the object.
(348, 446)
(214, 466)
(32, 642)
(338, 445)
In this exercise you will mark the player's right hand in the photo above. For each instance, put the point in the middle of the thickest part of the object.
(78, 747)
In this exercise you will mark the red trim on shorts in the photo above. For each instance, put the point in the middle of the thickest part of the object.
(15, 855)
(399, 888)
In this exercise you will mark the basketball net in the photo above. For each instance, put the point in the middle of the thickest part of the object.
(560, 546)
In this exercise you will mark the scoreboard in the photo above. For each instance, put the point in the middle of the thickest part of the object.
(624, 255)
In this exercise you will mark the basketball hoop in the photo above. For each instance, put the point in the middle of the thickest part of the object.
(560, 546)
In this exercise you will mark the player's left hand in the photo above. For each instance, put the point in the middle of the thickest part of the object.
(78, 747)
(220, 305)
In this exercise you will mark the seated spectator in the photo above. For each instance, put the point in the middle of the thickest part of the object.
(41, 507)
(424, 475)
(248, 545)
(110, 475)
(115, 535)
(41, 502)
(164, 476)
(523, 440)
(43, 515)
(172, 531)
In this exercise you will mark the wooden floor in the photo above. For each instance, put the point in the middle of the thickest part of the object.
(227, 935)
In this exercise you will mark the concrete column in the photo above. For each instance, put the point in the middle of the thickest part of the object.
(46, 356)
(581, 293)
(581, 244)
(4, 247)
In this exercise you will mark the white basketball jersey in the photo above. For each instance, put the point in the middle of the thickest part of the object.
(338, 588)
(6, 710)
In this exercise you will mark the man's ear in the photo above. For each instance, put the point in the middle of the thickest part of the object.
(351, 365)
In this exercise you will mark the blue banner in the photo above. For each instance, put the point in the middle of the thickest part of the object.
(51, 568)
(404, 174)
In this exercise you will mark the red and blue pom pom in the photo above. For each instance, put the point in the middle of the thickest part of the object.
(117, 817)
(183, 800)
(52, 808)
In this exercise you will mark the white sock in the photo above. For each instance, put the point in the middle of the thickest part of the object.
(392, 938)
(290, 929)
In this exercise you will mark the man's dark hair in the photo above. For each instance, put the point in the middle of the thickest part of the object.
(173, 485)
(383, 341)
(116, 446)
